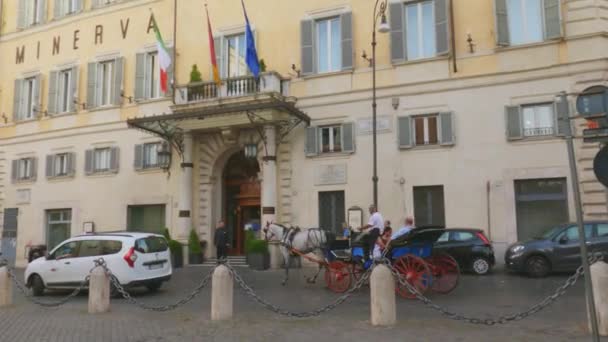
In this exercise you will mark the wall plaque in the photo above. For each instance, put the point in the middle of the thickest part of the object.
(383, 125)
(331, 174)
(23, 196)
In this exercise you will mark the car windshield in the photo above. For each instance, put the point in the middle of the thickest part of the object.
(151, 244)
(549, 233)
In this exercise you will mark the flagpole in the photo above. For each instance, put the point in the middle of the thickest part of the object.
(173, 82)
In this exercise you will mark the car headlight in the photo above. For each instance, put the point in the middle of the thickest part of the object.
(517, 249)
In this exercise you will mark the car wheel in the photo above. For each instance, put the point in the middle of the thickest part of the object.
(480, 266)
(153, 287)
(537, 266)
(37, 286)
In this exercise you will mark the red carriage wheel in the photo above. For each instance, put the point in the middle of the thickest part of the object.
(416, 272)
(446, 273)
(337, 276)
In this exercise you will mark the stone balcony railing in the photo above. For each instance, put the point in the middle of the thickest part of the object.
(270, 82)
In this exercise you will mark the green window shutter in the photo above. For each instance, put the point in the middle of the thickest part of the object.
(37, 98)
(52, 100)
(404, 128)
(139, 157)
(312, 143)
(553, 25)
(114, 159)
(50, 167)
(140, 76)
(92, 85)
(34, 169)
(502, 23)
(514, 123)
(71, 163)
(17, 100)
(89, 168)
(118, 80)
(74, 80)
(346, 22)
(562, 117)
(396, 14)
(307, 47)
(171, 74)
(348, 137)
(21, 14)
(14, 170)
(441, 27)
(41, 11)
(446, 127)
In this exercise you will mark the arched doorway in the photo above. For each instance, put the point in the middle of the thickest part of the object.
(241, 198)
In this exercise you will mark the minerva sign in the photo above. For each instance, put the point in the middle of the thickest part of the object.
(23, 51)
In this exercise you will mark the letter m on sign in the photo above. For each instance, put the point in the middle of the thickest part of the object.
(20, 55)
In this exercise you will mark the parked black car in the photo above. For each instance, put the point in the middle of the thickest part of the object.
(557, 250)
(470, 247)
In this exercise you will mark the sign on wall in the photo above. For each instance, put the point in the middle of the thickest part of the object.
(23, 196)
(383, 125)
(355, 217)
(331, 174)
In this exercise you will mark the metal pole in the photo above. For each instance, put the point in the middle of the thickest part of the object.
(581, 228)
(375, 176)
(173, 85)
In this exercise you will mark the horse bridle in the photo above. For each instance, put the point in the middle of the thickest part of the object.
(266, 229)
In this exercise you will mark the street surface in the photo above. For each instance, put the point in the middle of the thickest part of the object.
(492, 295)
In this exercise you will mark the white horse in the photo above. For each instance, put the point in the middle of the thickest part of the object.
(296, 241)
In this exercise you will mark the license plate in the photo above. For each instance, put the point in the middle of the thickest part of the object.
(156, 266)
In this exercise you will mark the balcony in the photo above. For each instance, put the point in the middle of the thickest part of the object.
(232, 88)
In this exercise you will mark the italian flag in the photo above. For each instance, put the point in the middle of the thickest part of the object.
(164, 58)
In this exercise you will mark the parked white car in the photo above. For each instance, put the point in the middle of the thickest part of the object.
(135, 259)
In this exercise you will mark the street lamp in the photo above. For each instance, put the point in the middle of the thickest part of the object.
(163, 151)
(251, 150)
(379, 13)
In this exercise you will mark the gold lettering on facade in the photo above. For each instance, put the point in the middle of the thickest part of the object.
(56, 44)
(20, 57)
(150, 23)
(124, 27)
(76, 39)
(38, 51)
(98, 34)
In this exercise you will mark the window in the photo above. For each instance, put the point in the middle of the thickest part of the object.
(63, 88)
(30, 103)
(147, 76)
(534, 198)
(27, 98)
(89, 248)
(425, 130)
(461, 236)
(102, 159)
(538, 120)
(330, 138)
(59, 225)
(146, 218)
(152, 76)
(106, 81)
(151, 244)
(234, 56)
(68, 250)
(420, 30)
(602, 230)
(24, 169)
(572, 233)
(146, 156)
(429, 206)
(67, 7)
(331, 211)
(527, 21)
(65, 80)
(30, 12)
(60, 165)
(329, 50)
(101, 3)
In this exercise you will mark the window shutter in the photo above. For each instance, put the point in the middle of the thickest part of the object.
(33, 169)
(21, 15)
(17, 100)
(446, 126)
(50, 167)
(514, 124)
(140, 76)
(75, 79)
(348, 137)
(219, 57)
(553, 25)
(139, 157)
(41, 11)
(346, 22)
(502, 22)
(118, 81)
(562, 117)
(78, 6)
(307, 47)
(441, 27)
(396, 13)
(312, 144)
(14, 170)
(71, 163)
(114, 159)
(88, 162)
(58, 10)
(92, 85)
(404, 124)
(170, 74)
(52, 100)
(37, 100)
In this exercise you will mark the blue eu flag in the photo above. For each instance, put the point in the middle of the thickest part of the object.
(251, 55)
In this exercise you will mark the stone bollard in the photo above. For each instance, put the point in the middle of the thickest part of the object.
(599, 281)
(6, 288)
(383, 304)
(99, 291)
(222, 289)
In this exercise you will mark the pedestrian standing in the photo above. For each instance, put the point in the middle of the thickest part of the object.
(221, 240)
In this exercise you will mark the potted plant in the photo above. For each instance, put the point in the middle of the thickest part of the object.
(258, 257)
(176, 250)
(195, 252)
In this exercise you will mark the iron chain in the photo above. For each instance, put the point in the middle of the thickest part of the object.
(560, 291)
(302, 314)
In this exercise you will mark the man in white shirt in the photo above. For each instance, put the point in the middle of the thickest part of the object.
(409, 225)
(375, 225)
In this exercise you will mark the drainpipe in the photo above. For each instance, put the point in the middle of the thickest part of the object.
(489, 217)
(174, 50)
(453, 38)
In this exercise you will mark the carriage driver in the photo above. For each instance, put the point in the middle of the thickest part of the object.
(375, 226)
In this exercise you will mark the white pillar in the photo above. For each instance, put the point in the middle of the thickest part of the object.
(184, 221)
(269, 171)
(383, 303)
(6, 288)
(599, 281)
(99, 291)
(222, 290)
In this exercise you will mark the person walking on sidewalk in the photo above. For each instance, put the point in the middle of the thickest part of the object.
(221, 240)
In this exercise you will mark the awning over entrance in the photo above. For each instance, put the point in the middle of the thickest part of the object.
(253, 107)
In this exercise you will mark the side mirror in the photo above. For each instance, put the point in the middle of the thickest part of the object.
(563, 240)
(49, 256)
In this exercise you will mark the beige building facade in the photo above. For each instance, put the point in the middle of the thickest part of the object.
(468, 132)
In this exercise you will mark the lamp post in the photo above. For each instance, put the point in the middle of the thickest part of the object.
(379, 13)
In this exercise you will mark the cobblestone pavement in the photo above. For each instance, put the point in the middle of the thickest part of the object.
(493, 295)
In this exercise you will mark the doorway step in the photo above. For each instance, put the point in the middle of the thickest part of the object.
(236, 261)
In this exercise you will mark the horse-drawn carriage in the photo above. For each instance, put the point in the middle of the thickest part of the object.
(411, 256)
